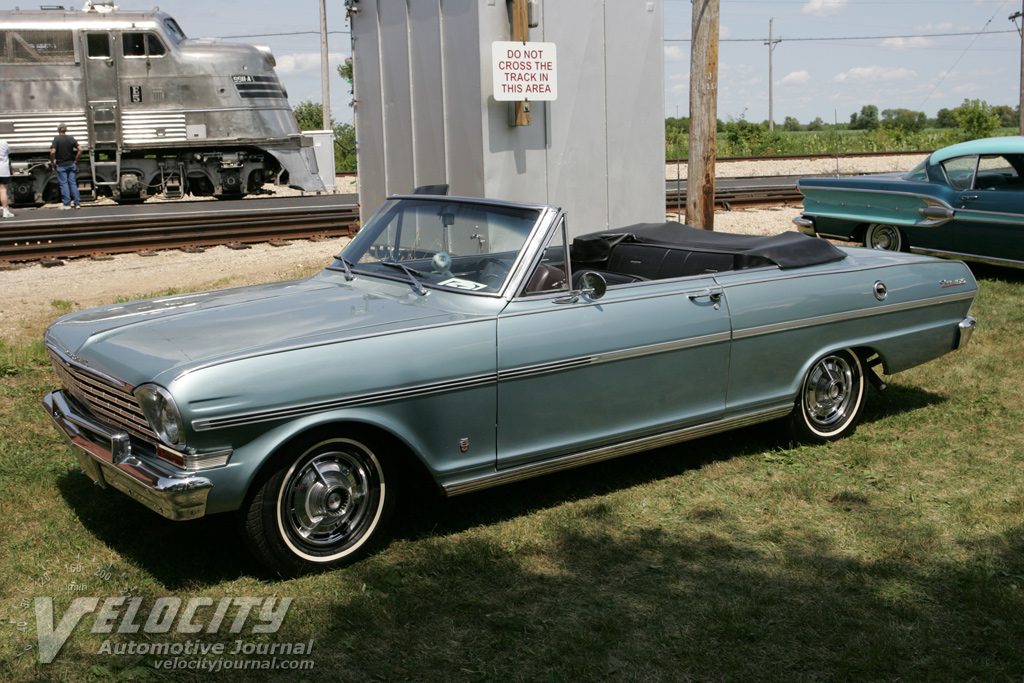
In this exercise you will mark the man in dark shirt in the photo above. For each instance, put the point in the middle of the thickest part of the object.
(64, 151)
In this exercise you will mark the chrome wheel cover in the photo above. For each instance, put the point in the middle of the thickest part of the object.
(884, 237)
(332, 501)
(830, 393)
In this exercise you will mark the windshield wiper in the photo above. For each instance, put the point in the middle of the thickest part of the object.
(345, 264)
(408, 271)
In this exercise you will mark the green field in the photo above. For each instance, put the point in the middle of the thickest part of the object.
(896, 554)
(752, 140)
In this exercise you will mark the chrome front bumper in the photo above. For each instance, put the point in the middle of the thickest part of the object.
(105, 455)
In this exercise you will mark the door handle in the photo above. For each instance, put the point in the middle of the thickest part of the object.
(714, 295)
(968, 197)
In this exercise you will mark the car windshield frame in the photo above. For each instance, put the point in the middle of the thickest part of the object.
(455, 244)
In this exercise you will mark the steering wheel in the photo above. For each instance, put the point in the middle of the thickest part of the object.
(491, 271)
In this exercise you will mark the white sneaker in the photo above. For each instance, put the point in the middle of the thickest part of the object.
(8, 214)
(64, 207)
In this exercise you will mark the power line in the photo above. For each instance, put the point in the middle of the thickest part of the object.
(795, 40)
(950, 69)
(293, 33)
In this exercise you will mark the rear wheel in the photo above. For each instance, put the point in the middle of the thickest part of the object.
(326, 506)
(831, 398)
(884, 237)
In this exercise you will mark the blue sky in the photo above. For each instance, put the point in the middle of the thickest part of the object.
(835, 55)
(890, 55)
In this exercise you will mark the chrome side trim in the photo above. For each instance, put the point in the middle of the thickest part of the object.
(454, 385)
(849, 315)
(638, 296)
(537, 469)
(612, 356)
(968, 257)
(337, 404)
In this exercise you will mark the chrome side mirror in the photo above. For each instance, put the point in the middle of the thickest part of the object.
(593, 286)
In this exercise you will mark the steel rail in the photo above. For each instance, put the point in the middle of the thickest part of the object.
(114, 235)
(735, 196)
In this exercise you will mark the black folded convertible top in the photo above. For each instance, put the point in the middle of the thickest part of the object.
(786, 250)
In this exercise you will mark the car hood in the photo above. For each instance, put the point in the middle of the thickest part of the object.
(138, 341)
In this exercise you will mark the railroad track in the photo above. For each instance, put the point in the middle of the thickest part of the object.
(81, 235)
(737, 192)
(51, 240)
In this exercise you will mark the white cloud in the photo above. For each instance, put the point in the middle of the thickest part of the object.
(944, 27)
(801, 77)
(741, 69)
(915, 42)
(676, 53)
(824, 8)
(874, 74)
(290, 65)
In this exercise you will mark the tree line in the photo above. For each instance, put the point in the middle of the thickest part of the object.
(867, 131)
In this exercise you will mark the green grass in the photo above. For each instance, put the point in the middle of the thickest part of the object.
(754, 141)
(895, 554)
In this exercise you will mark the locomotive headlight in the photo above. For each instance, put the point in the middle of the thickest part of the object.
(162, 413)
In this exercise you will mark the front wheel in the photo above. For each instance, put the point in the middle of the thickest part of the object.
(831, 398)
(326, 507)
(884, 237)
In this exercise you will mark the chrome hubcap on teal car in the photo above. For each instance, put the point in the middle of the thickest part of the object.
(884, 237)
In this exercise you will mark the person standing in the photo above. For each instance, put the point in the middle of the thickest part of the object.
(64, 151)
(5, 176)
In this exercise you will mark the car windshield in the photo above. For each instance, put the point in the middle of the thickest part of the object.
(440, 243)
(919, 172)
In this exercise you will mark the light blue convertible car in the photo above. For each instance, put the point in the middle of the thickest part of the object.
(470, 343)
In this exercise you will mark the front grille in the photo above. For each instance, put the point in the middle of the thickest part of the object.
(112, 405)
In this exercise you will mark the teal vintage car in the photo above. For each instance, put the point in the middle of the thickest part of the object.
(963, 201)
(467, 343)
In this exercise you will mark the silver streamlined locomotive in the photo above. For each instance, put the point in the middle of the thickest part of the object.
(153, 111)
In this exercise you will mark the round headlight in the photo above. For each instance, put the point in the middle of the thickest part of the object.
(162, 414)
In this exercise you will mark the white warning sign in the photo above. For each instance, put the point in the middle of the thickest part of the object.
(525, 71)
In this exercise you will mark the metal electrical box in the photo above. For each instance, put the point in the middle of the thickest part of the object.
(426, 112)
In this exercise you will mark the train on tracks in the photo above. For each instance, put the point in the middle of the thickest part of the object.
(154, 112)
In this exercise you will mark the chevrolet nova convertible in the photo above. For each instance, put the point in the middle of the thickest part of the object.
(467, 343)
(963, 201)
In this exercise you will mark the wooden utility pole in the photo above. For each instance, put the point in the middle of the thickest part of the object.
(325, 83)
(700, 176)
(1021, 105)
(771, 83)
(521, 33)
